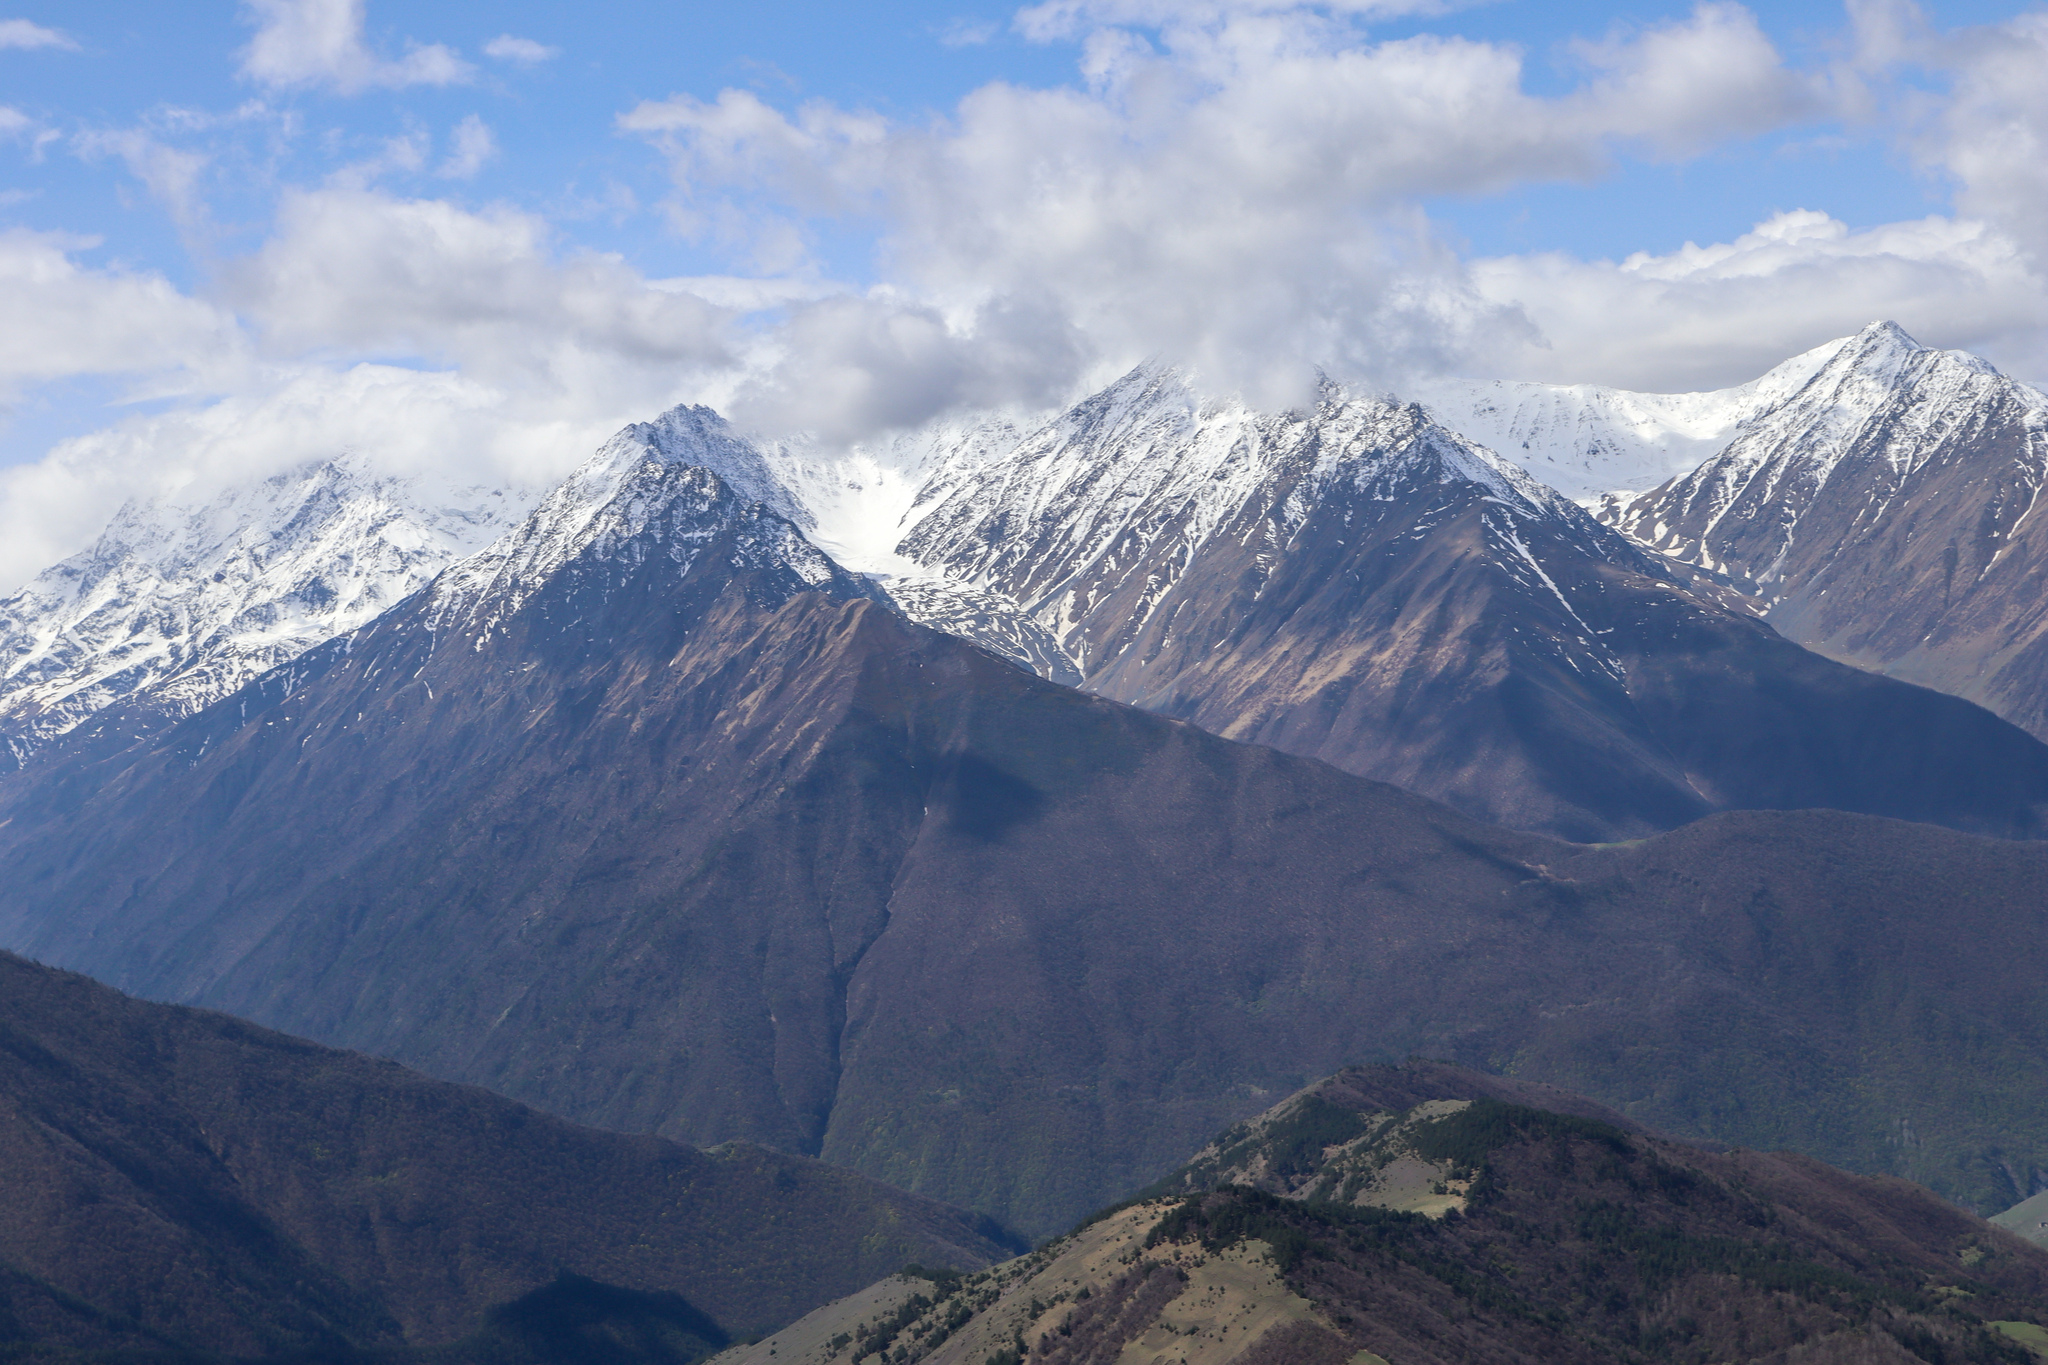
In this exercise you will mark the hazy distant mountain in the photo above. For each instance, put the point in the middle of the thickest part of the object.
(178, 604)
(1429, 1215)
(1355, 583)
(1585, 440)
(1885, 514)
(656, 817)
(180, 1181)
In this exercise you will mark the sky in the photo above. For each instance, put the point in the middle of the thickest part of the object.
(236, 235)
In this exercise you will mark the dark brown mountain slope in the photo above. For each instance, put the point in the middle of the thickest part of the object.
(671, 829)
(1886, 515)
(1413, 1215)
(180, 1179)
(1357, 584)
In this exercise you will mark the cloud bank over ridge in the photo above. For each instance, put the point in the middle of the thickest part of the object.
(1239, 186)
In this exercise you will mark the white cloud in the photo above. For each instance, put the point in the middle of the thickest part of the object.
(66, 319)
(515, 359)
(357, 271)
(1054, 20)
(1238, 197)
(20, 33)
(967, 32)
(522, 51)
(1991, 132)
(473, 149)
(402, 420)
(319, 43)
(171, 174)
(1681, 88)
(1708, 316)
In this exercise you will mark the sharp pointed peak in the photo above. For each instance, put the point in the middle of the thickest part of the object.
(1887, 330)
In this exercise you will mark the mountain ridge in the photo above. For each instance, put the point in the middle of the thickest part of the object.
(176, 605)
(1883, 516)
(1358, 584)
(694, 841)
(185, 1182)
(1589, 441)
(1422, 1213)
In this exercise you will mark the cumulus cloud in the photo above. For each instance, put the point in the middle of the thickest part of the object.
(1709, 316)
(356, 270)
(319, 44)
(21, 34)
(844, 367)
(66, 319)
(1990, 134)
(1234, 191)
(520, 51)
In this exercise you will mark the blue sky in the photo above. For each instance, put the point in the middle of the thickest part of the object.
(519, 223)
(561, 156)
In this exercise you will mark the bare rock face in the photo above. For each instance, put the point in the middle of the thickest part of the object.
(1357, 584)
(1885, 514)
(655, 817)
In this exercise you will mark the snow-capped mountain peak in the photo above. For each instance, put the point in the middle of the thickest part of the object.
(1882, 397)
(687, 475)
(1151, 457)
(180, 602)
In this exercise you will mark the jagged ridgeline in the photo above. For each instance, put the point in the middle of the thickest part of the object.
(1423, 1215)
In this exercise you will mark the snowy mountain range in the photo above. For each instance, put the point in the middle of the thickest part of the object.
(653, 814)
(1053, 540)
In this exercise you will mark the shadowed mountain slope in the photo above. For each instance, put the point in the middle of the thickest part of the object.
(1414, 1215)
(1885, 514)
(179, 1180)
(1357, 584)
(653, 819)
